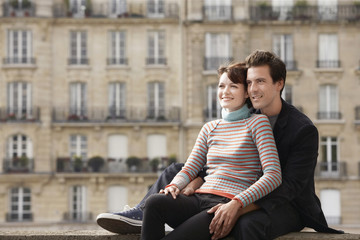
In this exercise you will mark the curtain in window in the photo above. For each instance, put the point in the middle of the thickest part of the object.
(19, 100)
(117, 7)
(328, 101)
(218, 50)
(283, 47)
(117, 99)
(117, 47)
(328, 50)
(283, 7)
(19, 48)
(156, 47)
(156, 100)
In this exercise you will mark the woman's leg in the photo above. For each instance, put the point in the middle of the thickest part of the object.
(160, 209)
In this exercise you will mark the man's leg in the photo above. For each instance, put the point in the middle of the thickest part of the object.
(258, 225)
(130, 221)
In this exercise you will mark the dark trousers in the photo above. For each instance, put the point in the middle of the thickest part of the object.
(186, 214)
(254, 225)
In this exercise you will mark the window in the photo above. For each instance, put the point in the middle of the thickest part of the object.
(78, 146)
(218, 9)
(19, 145)
(19, 105)
(328, 51)
(331, 205)
(20, 204)
(156, 146)
(78, 203)
(155, 8)
(156, 47)
(78, 8)
(19, 47)
(283, 47)
(156, 100)
(213, 108)
(328, 102)
(218, 50)
(117, 100)
(327, 9)
(117, 54)
(329, 156)
(117, 198)
(117, 8)
(287, 94)
(283, 8)
(78, 101)
(78, 48)
(117, 152)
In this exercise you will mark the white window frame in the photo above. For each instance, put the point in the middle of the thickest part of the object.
(78, 146)
(156, 8)
(328, 9)
(117, 8)
(329, 101)
(117, 49)
(78, 99)
(78, 205)
(218, 9)
(19, 48)
(78, 48)
(217, 49)
(211, 99)
(23, 204)
(284, 7)
(328, 49)
(330, 166)
(283, 47)
(156, 99)
(77, 8)
(156, 47)
(19, 145)
(117, 99)
(19, 100)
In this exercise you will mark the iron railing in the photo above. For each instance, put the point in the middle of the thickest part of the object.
(328, 64)
(117, 61)
(213, 63)
(331, 169)
(329, 115)
(19, 9)
(24, 115)
(78, 216)
(156, 61)
(18, 165)
(19, 60)
(218, 12)
(19, 217)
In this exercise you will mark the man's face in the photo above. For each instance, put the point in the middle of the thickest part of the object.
(263, 93)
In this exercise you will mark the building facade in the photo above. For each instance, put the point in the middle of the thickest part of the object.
(97, 95)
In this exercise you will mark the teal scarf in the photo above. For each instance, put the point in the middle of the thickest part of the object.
(240, 114)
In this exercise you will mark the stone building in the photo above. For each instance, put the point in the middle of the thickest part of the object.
(116, 82)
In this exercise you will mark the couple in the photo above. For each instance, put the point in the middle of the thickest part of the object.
(251, 209)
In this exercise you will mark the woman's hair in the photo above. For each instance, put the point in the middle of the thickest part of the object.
(237, 73)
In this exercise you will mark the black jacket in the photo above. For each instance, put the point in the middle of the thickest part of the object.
(297, 142)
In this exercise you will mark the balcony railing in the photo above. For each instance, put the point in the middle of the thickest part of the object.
(19, 217)
(156, 61)
(329, 115)
(218, 12)
(25, 115)
(130, 10)
(357, 113)
(117, 61)
(131, 114)
(18, 165)
(328, 64)
(19, 60)
(78, 61)
(331, 169)
(309, 13)
(290, 65)
(16, 9)
(213, 63)
(78, 216)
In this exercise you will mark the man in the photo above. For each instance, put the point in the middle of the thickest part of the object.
(293, 205)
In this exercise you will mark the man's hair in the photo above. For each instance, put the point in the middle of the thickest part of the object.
(237, 73)
(276, 65)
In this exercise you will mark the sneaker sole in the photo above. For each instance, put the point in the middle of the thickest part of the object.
(119, 224)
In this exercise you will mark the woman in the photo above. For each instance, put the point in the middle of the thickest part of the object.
(243, 166)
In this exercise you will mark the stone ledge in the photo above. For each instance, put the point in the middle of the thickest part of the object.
(104, 235)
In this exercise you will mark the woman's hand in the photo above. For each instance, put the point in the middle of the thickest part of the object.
(173, 190)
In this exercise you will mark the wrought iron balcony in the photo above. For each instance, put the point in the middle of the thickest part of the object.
(18, 165)
(23, 115)
(128, 10)
(19, 60)
(130, 114)
(348, 12)
(78, 61)
(213, 63)
(357, 113)
(156, 61)
(329, 115)
(19, 217)
(218, 12)
(117, 61)
(78, 216)
(331, 169)
(19, 9)
(328, 64)
(290, 65)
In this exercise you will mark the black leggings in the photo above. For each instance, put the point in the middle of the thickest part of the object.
(186, 214)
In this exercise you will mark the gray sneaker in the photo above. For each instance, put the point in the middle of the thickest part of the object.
(125, 222)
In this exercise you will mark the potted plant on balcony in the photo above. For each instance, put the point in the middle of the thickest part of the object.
(26, 4)
(78, 164)
(133, 163)
(300, 10)
(172, 159)
(154, 164)
(96, 163)
(14, 4)
(24, 161)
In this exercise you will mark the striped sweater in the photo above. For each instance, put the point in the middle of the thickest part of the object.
(241, 157)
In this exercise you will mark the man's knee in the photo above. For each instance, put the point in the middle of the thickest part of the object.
(254, 225)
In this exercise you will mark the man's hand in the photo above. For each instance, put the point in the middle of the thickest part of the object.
(173, 190)
(225, 218)
(220, 229)
(192, 186)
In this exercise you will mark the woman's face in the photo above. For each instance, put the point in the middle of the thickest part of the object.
(231, 95)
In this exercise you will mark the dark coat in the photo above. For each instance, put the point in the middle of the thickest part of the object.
(297, 141)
